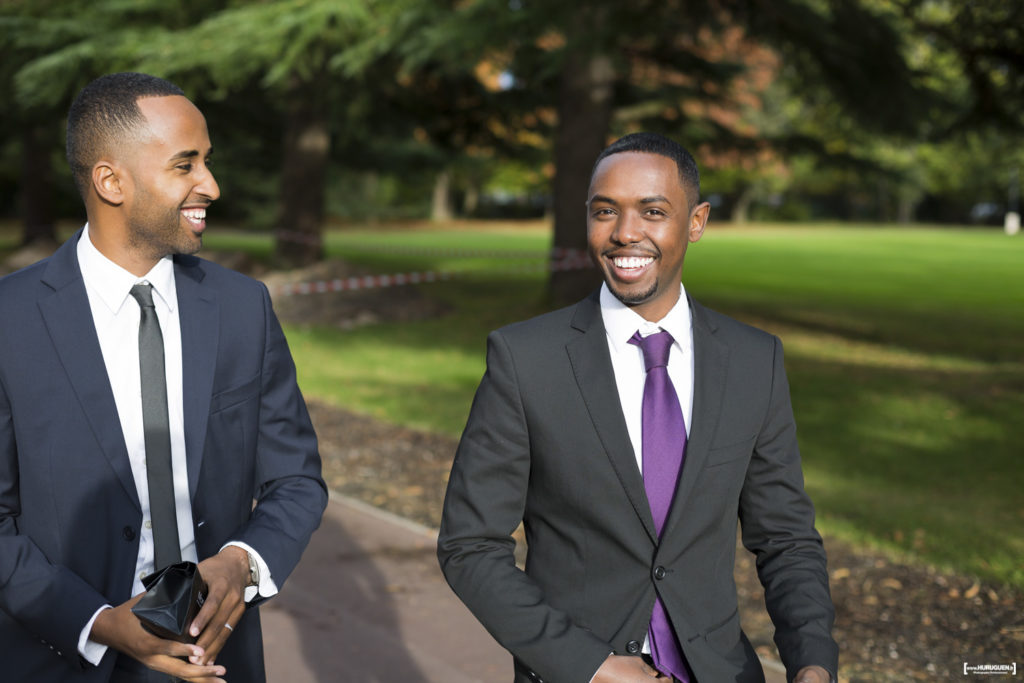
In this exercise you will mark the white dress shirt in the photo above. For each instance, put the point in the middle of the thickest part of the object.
(621, 323)
(116, 317)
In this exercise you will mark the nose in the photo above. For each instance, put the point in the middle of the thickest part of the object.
(628, 229)
(208, 186)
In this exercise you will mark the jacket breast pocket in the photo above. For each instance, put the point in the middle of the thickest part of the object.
(235, 395)
(721, 455)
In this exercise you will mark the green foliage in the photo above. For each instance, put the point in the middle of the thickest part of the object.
(274, 42)
(868, 103)
(978, 47)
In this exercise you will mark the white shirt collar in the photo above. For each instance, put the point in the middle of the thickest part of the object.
(113, 284)
(621, 321)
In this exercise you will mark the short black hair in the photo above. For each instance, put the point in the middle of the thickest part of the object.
(653, 143)
(105, 112)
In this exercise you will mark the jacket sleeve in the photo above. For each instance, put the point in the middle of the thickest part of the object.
(48, 600)
(484, 504)
(290, 492)
(777, 520)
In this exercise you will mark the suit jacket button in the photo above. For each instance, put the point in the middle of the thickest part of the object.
(659, 573)
(633, 647)
(128, 533)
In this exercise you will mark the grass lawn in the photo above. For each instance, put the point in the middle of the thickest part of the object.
(905, 349)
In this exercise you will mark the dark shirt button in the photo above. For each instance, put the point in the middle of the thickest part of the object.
(659, 573)
(633, 647)
(128, 533)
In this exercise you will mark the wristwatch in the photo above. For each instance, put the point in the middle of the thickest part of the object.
(254, 571)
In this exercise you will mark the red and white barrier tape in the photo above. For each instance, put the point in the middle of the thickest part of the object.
(364, 282)
(557, 253)
(377, 281)
(553, 253)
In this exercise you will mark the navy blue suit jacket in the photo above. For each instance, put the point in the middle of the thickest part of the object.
(69, 511)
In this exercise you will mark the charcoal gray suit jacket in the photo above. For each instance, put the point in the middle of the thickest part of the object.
(546, 443)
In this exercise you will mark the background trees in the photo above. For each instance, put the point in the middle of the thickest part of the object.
(878, 109)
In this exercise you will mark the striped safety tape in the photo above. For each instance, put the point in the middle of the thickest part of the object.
(378, 281)
(553, 253)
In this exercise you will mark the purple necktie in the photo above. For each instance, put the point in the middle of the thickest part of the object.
(664, 448)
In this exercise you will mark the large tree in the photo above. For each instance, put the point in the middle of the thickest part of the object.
(306, 56)
(302, 57)
(52, 48)
(609, 67)
(381, 85)
(25, 36)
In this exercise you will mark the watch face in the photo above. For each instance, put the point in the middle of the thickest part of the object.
(254, 571)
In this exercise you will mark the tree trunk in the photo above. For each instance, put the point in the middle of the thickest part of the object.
(37, 186)
(741, 209)
(585, 103)
(307, 145)
(371, 186)
(471, 202)
(905, 209)
(441, 202)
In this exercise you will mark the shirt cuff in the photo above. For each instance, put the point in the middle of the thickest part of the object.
(90, 650)
(266, 588)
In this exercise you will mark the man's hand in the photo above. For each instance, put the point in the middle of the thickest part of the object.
(623, 669)
(226, 575)
(121, 630)
(812, 674)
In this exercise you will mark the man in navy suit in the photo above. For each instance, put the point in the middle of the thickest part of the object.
(246, 493)
(629, 572)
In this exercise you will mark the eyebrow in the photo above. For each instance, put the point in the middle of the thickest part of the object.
(655, 200)
(602, 198)
(646, 200)
(189, 154)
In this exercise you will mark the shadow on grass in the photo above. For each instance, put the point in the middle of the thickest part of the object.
(923, 462)
(964, 333)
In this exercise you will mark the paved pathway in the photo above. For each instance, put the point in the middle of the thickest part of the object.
(368, 604)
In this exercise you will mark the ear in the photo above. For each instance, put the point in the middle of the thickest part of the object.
(698, 219)
(110, 181)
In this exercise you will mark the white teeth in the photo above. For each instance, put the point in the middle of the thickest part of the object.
(194, 214)
(631, 261)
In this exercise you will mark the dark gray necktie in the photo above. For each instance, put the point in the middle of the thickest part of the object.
(157, 430)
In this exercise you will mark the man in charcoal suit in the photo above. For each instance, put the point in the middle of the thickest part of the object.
(629, 433)
(149, 413)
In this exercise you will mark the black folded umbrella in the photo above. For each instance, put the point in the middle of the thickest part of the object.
(173, 598)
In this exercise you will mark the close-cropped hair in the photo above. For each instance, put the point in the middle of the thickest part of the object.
(107, 112)
(653, 143)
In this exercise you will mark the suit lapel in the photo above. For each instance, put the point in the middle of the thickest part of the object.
(199, 316)
(595, 377)
(68, 318)
(710, 363)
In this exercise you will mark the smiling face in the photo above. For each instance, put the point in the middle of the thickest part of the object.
(170, 178)
(639, 222)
